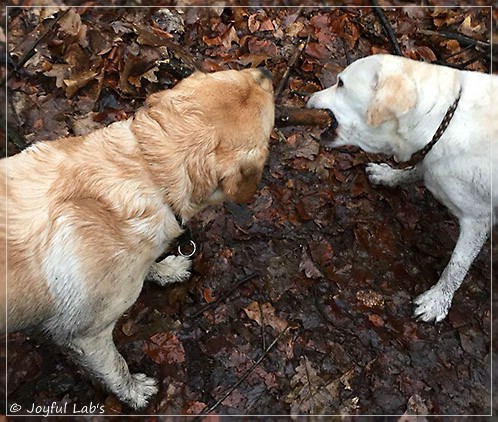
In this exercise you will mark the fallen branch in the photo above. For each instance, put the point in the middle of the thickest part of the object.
(293, 116)
(387, 27)
(31, 41)
(462, 39)
(292, 61)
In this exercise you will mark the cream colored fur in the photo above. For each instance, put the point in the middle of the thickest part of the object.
(88, 216)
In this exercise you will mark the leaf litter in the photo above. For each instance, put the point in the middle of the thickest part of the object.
(299, 303)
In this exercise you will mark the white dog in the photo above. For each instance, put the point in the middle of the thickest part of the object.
(397, 106)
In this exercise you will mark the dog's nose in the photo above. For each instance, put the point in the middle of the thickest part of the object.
(266, 73)
(263, 77)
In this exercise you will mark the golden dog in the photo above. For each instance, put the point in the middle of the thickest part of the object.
(88, 216)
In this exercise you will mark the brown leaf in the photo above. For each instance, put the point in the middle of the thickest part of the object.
(317, 50)
(253, 23)
(195, 407)
(230, 36)
(164, 348)
(70, 22)
(293, 29)
(207, 294)
(470, 28)
(321, 252)
(265, 314)
(310, 393)
(130, 328)
(79, 81)
(254, 60)
(305, 147)
(266, 25)
(259, 46)
(376, 320)
(58, 71)
(426, 53)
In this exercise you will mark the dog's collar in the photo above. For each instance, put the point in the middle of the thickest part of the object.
(420, 155)
(185, 241)
(185, 246)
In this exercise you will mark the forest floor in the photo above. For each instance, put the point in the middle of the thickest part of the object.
(301, 302)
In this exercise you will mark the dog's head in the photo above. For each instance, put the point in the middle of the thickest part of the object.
(207, 138)
(368, 101)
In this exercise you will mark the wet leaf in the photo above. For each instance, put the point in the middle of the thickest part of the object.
(164, 348)
(265, 314)
(310, 394)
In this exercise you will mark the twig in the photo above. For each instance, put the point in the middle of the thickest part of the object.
(462, 39)
(462, 50)
(387, 27)
(292, 61)
(31, 50)
(231, 389)
(473, 59)
(263, 337)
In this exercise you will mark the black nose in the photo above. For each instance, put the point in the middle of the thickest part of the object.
(266, 73)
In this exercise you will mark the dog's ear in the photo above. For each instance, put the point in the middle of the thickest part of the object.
(240, 182)
(241, 185)
(395, 94)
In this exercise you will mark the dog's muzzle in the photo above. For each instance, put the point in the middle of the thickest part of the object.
(330, 133)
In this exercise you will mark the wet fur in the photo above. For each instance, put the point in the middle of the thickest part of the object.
(393, 105)
(89, 215)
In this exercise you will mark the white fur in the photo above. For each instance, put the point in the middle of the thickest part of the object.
(394, 105)
(64, 275)
(172, 269)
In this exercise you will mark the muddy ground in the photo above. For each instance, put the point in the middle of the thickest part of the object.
(301, 302)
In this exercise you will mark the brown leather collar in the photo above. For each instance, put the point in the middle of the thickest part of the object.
(419, 156)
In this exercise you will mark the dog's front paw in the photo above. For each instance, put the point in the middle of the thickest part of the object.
(141, 389)
(433, 305)
(381, 174)
(172, 269)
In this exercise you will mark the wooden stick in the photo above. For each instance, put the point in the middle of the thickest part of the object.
(387, 27)
(294, 116)
(462, 39)
(292, 61)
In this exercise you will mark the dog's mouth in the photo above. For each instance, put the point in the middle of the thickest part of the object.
(329, 134)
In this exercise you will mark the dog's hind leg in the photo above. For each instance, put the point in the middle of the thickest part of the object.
(99, 356)
(384, 174)
(435, 302)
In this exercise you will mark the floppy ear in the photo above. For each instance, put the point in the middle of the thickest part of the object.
(241, 185)
(394, 95)
(240, 182)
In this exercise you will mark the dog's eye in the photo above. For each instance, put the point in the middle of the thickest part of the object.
(340, 82)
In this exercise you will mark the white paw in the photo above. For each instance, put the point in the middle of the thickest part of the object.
(172, 269)
(141, 389)
(433, 305)
(381, 174)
